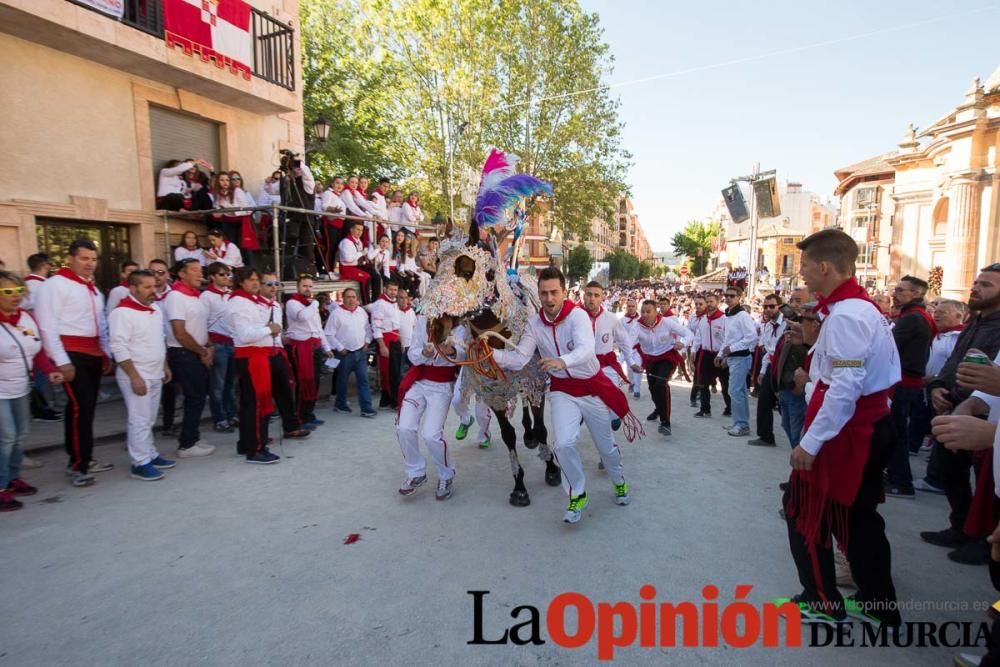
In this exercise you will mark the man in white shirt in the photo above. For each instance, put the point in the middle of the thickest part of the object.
(222, 394)
(836, 480)
(189, 353)
(307, 347)
(282, 383)
(348, 333)
(70, 315)
(40, 266)
(355, 264)
(425, 395)
(121, 290)
(739, 342)
(660, 341)
(386, 318)
(579, 391)
(693, 323)
(138, 345)
(631, 321)
(949, 317)
(333, 223)
(708, 343)
(772, 328)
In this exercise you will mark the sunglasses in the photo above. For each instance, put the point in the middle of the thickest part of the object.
(13, 291)
(271, 283)
(159, 273)
(224, 275)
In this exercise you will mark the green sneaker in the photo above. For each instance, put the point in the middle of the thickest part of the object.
(575, 510)
(485, 443)
(621, 494)
(810, 612)
(463, 429)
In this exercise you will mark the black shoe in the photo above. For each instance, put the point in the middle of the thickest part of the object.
(664, 429)
(263, 458)
(49, 416)
(727, 413)
(694, 404)
(760, 442)
(702, 413)
(974, 552)
(951, 538)
(900, 491)
(783, 486)
(653, 416)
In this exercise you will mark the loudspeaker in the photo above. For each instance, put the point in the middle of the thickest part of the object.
(766, 193)
(734, 203)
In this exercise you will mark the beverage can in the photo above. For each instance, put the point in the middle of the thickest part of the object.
(976, 357)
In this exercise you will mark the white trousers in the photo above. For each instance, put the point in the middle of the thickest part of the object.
(566, 414)
(429, 400)
(141, 412)
(636, 380)
(461, 407)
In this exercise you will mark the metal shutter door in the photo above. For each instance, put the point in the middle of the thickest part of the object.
(177, 136)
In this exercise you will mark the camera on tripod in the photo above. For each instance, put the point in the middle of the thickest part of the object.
(289, 160)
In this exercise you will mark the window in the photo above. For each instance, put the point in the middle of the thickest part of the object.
(787, 264)
(113, 244)
(788, 240)
(177, 136)
(865, 196)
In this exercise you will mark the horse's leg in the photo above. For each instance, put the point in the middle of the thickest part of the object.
(553, 476)
(519, 496)
(530, 439)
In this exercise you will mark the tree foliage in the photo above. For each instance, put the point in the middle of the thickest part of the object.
(696, 236)
(625, 266)
(398, 78)
(579, 262)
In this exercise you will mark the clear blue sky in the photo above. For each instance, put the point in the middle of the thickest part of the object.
(804, 114)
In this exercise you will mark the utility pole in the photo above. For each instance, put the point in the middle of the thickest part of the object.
(752, 179)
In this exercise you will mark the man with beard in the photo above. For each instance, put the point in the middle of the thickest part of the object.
(631, 320)
(708, 342)
(982, 333)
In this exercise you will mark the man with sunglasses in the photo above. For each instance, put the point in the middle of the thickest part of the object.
(707, 345)
(221, 396)
(772, 330)
(282, 382)
(739, 342)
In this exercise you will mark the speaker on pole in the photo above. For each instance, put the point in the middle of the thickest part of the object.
(734, 203)
(766, 192)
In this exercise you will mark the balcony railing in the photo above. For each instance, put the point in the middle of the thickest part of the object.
(273, 41)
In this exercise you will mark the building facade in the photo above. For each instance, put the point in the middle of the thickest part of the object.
(98, 103)
(866, 190)
(631, 237)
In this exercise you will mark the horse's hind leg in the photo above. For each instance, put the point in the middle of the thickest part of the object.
(553, 476)
(519, 496)
(530, 439)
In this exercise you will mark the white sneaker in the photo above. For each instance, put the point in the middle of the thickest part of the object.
(738, 432)
(30, 463)
(197, 450)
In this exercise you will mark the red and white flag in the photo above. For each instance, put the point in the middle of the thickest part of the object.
(217, 30)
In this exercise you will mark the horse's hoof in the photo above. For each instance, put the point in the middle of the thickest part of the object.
(553, 478)
(519, 498)
(530, 443)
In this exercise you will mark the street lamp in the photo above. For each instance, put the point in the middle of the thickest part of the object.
(321, 129)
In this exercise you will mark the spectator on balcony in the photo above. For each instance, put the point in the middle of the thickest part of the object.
(381, 257)
(333, 224)
(357, 205)
(199, 193)
(171, 187)
(394, 210)
(236, 225)
(220, 249)
(269, 193)
(189, 248)
(355, 265)
(380, 206)
(298, 192)
(412, 215)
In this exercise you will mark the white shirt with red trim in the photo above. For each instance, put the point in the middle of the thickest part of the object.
(67, 308)
(34, 283)
(115, 296)
(190, 310)
(572, 340)
(709, 334)
(611, 331)
(137, 335)
(216, 304)
(248, 320)
(350, 251)
(348, 330)
(304, 322)
(17, 355)
(385, 316)
(407, 321)
(661, 338)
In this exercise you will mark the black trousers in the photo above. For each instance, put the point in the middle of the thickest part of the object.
(868, 550)
(253, 429)
(708, 373)
(78, 421)
(658, 375)
(194, 379)
(168, 403)
(281, 392)
(953, 472)
(766, 400)
(390, 393)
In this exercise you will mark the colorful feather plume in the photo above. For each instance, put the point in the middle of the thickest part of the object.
(492, 202)
(498, 166)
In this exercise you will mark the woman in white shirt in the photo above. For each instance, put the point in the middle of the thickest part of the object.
(412, 215)
(20, 352)
(171, 188)
(236, 225)
(381, 257)
(220, 249)
(189, 248)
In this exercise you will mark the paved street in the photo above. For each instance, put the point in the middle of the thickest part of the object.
(225, 563)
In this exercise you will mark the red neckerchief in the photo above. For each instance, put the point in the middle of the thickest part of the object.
(12, 320)
(161, 297)
(383, 297)
(71, 275)
(350, 310)
(958, 327)
(659, 318)
(593, 318)
(123, 283)
(221, 250)
(184, 288)
(407, 309)
(849, 289)
(669, 313)
(215, 290)
(564, 312)
(242, 293)
(920, 310)
(631, 318)
(131, 303)
(301, 299)
(34, 276)
(714, 316)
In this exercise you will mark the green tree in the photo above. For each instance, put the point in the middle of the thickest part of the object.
(695, 241)
(579, 262)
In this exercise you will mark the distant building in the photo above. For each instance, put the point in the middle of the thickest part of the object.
(866, 210)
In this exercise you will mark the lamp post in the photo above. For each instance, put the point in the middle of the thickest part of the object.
(321, 130)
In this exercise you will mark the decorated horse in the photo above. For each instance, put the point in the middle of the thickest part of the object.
(477, 288)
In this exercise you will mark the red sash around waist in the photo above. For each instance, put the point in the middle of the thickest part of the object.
(670, 355)
(610, 360)
(89, 345)
(302, 355)
(425, 372)
(259, 367)
(600, 386)
(912, 381)
(390, 337)
(219, 338)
